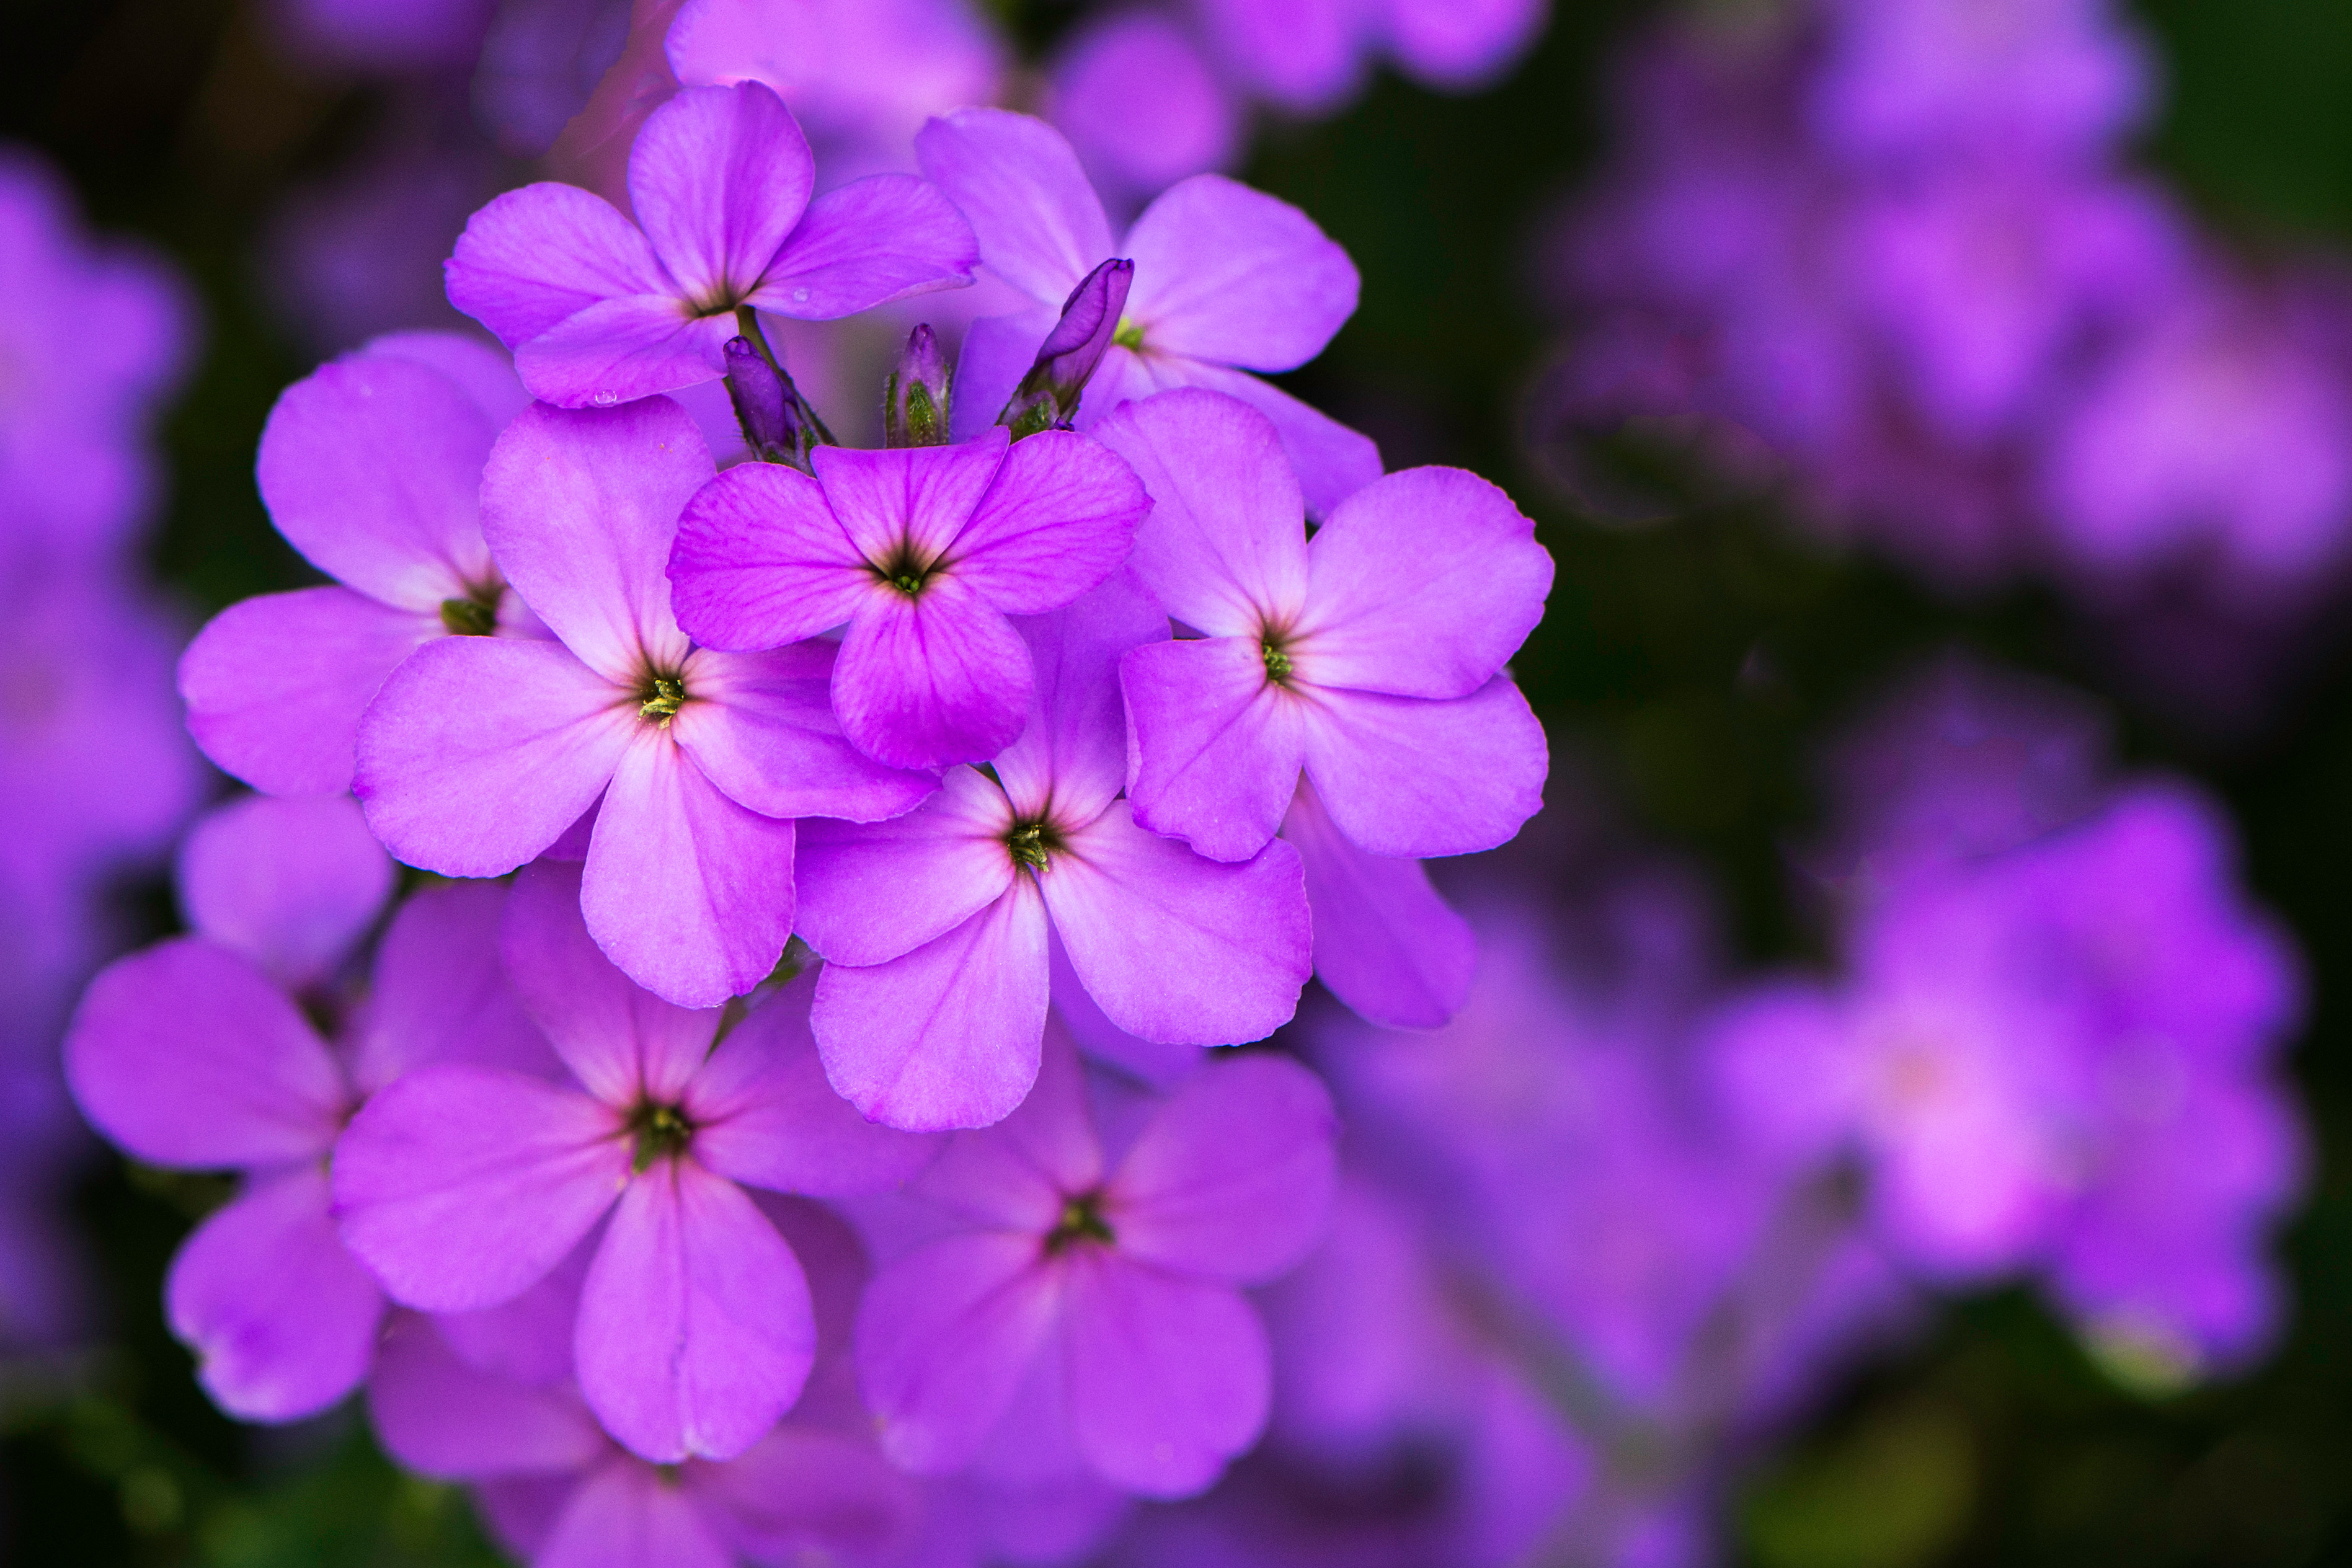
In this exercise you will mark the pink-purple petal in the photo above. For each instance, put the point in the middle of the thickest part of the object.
(869, 893)
(1074, 754)
(946, 1036)
(441, 992)
(282, 1320)
(1174, 947)
(483, 373)
(480, 751)
(933, 679)
(866, 243)
(1331, 461)
(911, 498)
(1225, 546)
(293, 884)
(628, 1514)
(1217, 745)
(1235, 277)
(1168, 1378)
(1016, 1174)
(803, 1495)
(718, 176)
(765, 1115)
(536, 257)
(760, 728)
(459, 1186)
(760, 560)
(1385, 943)
(695, 1328)
(619, 350)
(997, 352)
(440, 1417)
(1233, 1179)
(1040, 225)
(580, 508)
(1058, 520)
(186, 1055)
(1401, 776)
(945, 1339)
(275, 685)
(1421, 585)
(690, 893)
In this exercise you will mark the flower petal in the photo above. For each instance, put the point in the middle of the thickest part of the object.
(479, 752)
(946, 1036)
(442, 1417)
(536, 257)
(1331, 461)
(1225, 546)
(1168, 1378)
(281, 1319)
(371, 468)
(484, 374)
(458, 1187)
(802, 1495)
(1040, 225)
(1233, 1179)
(718, 176)
(1404, 776)
(945, 1338)
(1177, 949)
(695, 1328)
(275, 685)
(627, 1514)
(1016, 1174)
(760, 728)
(1147, 1061)
(580, 508)
(1421, 586)
(765, 1115)
(867, 242)
(1072, 756)
(1217, 745)
(1385, 943)
(1058, 520)
(760, 560)
(622, 1042)
(1235, 277)
(997, 352)
(293, 884)
(186, 1055)
(911, 498)
(690, 893)
(931, 680)
(441, 993)
(871, 892)
(619, 350)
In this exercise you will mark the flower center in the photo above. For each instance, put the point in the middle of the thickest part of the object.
(660, 1132)
(477, 614)
(1130, 334)
(1081, 1221)
(658, 700)
(1032, 841)
(904, 570)
(1277, 663)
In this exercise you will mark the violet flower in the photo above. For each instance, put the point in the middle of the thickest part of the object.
(923, 551)
(480, 752)
(1308, 56)
(1370, 658)
(371, 468)
(462, 1187)
(1072, 352)
(915, 398)
(1228, 280)
(939, 926)
(195, 1055)
(601, 310)
(1141, 103)
(1121, 1283)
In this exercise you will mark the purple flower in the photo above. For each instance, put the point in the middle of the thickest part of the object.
(923, 551)
(372, 467)
(1072, 352)
(1308, 56)
(462, 1187)
(1227, 280)
(939, 927)
(385, 35)
(479, 752)
(1118, 1284)
(194, 1054)
(1141, 104)
(601, 310)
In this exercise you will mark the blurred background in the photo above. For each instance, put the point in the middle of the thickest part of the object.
(2103, 436)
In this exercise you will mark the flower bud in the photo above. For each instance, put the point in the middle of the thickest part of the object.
(1048, 395)
(779, 426)
(915, 398)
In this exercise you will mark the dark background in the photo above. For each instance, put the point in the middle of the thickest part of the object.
(1995, 1442)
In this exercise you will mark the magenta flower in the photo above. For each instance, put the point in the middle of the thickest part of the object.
(195, 1054)
(1141, 104)
(1370, 658)
(601, 310)
(1227, 280)
(923, 551)
(371, 468)
(1122, 1284)
(1309, 56)
(461, 1187)
(480, 752)
(939, 926)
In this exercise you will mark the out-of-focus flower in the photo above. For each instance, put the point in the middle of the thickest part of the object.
(1142, 105)
(387, 36)
(1308, 56)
